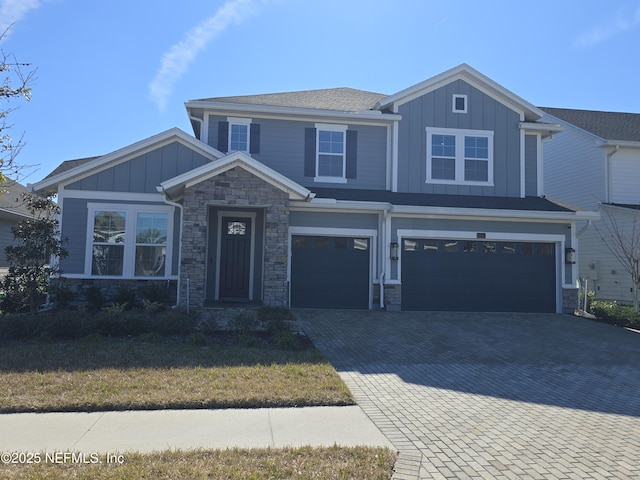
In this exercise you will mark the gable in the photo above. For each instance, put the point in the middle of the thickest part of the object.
(143, 173)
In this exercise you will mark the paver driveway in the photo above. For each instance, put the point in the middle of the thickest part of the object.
(491, 395)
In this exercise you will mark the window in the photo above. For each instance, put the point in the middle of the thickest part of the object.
(460, 156)
(127, 242)
(239, 132)
(331, 153)
(108, 242)
(151, 244)
(459, 103)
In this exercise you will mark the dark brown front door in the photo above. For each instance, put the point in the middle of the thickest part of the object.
(235, 258)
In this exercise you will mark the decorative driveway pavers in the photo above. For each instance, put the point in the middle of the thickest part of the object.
(491, 395)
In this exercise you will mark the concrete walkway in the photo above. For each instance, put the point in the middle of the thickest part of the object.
(147, 431)
(495, 396)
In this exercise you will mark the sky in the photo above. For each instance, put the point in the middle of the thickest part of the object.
(114, 72)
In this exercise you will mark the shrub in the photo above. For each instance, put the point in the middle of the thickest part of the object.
(173, 322)
(95, 298)
(20, 326)
(198, 339)
(125, 297)
(155, 293)
(61, 294)
(244, 323)
(287, 341)
(613, 313)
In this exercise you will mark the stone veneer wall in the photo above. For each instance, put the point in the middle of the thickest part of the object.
(235, 188)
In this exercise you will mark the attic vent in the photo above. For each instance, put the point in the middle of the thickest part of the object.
(459, 103)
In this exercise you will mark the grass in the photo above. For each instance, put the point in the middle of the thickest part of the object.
(97, 374)
(288, 463)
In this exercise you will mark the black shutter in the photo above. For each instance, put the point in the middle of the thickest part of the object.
(254, 138)
(352, 154)
(223, 136)
(309, 152)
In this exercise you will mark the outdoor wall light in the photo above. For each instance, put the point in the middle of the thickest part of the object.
(394, 250)
(569, 255)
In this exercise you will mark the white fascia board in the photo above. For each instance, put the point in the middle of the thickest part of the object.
(221, 108)
(242, 160)
(620, 143)
(507, 215)
(471, 76)
(546, 129)
(126, 153)
(329, 204)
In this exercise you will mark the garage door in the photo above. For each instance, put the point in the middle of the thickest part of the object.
(329, 272)
(484, 276)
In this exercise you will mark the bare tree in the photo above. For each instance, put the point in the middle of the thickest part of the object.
(15, 85)
(621, 235)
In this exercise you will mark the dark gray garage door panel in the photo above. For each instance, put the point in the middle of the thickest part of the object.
(329, 272)
(455, 275)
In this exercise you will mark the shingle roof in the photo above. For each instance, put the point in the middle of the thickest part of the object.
(11, 200)
(440, 200)
(340, 99)
(606, 125)
(68, 165)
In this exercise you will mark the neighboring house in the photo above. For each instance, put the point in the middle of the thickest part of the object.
(595, 163)
(427, 199)
(12, 210)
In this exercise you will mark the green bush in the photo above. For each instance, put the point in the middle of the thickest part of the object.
(20, 326)
(155, 293)
(172, 322)
(126, 297)
(275, 319)
(244, 322)
(95, 298)
(617, 314)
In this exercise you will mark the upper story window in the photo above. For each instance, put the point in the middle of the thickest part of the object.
(239, 134)
(460, 156)
(459, 103)
(331, 153)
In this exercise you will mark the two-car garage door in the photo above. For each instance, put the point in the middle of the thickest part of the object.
(479, 275)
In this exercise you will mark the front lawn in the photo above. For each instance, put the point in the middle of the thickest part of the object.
(299, 463)
(129, 374)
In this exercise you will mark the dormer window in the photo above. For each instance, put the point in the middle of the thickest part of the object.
(459, 103)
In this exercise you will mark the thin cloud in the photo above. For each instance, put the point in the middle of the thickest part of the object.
(12, 11)
(177, 59)
(619, 25)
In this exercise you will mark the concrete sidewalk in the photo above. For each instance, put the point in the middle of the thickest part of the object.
(147, 431)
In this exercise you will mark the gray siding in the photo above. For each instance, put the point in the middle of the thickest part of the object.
(333, 220)
(144, 173)
(574, 168)
(530, 165)
(484, 113)
(282, 149)
(74, 230)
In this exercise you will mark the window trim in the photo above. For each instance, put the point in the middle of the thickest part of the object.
(324, 127)
(245, 122)
(459, 157)
(129, 259)
(453, 103)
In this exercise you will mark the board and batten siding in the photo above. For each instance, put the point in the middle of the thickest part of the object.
(434, 109)
(282, 148)
(142, 174)
(531, 165)
(74, 230)
(624, 177)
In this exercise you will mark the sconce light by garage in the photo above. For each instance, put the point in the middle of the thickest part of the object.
(394, 250)
(569, 255)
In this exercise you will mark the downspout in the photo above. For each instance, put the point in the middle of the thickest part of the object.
(179, 207)
(384, 257)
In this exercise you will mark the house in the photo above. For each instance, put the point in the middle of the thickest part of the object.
(595, 163)
(12, 210)
(427, 199)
